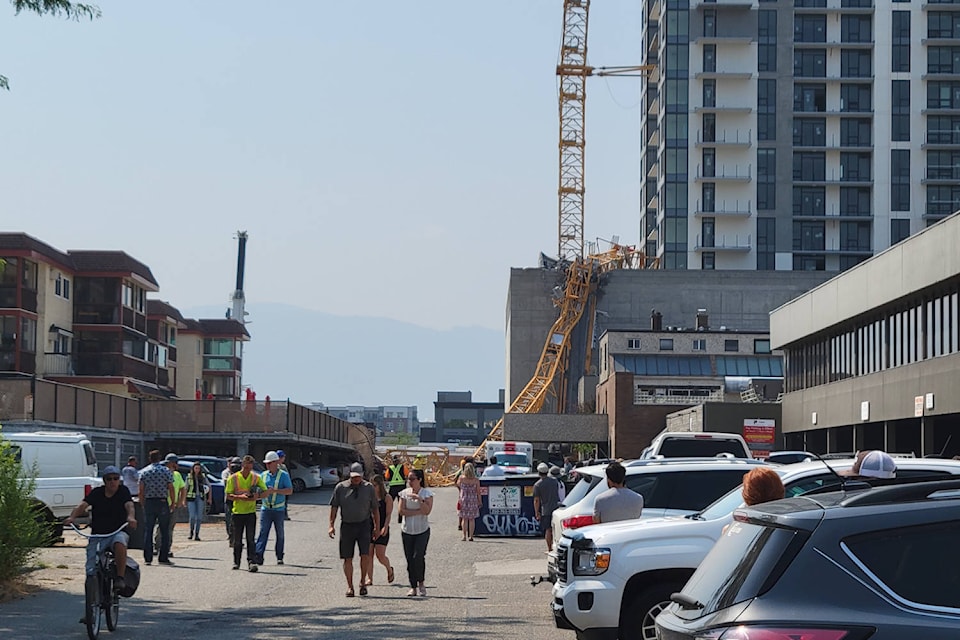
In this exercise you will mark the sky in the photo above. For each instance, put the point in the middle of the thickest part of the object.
(387, 159)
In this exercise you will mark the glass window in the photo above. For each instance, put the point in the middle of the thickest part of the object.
(810, 63)
(856, 28)
(855, 236)
(855, 167)
(855, 97)
(710, 93)
(810, 132)
(708, 229)
(855, 201)
(809, 201)
(766, 109)
(708, 260)
(909, 561)
(767, 40)
(810, 97)
(709, 57)
(943, 59)
(900, 110)
(709, 163)
(809, 166)
(855, 132)
(666, 344)
(855, 63)
(761, 346)
(731, 345)
(710, 23)
(709, 190)
(766, 244)
(709, 127)
(810, 28)
(900, 179)
(900, 60)
(808, 235)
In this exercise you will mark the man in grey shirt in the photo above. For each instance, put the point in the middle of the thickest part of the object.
(356, 500)
(546, 497)
(617, 502)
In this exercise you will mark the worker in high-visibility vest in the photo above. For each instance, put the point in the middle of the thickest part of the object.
(396, 477)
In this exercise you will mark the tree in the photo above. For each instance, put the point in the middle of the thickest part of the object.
(20, 530)
(57, 8)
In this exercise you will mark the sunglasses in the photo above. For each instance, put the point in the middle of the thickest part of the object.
(109, 478)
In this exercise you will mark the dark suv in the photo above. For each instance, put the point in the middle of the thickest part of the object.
(876, 563)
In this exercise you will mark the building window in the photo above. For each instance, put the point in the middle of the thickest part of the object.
(709, 127)
(61, 287)
(767, 40)
(809, 263)
(766, 179)
(761, 346)
(943, 129)
(901, 41)
(809, 201)
(710, 23)
(809, 166)
(709, 191)
(666, 344)
(855, 236)
(810, 63)
(810, 132)
(731, 345)
(943, 59)
(900, 179)
(855, 97)
(940, 24)
(855, 201)
(700, 344)
(855, 132)
(855, 63)
(808, 235)
(766, 244)
(709, 58)
(709, 163)
(810, 97)
(633, 343)
(766, 109)
(710, 93)
(708, 260)
(943, 95)
(708, 228)
(855, 167)
(856, 28)
(899, 230)
(810, 28)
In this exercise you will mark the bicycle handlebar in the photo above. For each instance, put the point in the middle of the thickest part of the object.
(98, 535)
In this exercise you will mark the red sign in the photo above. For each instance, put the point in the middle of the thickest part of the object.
(760, 435)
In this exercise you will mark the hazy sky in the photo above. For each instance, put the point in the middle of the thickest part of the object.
(387, 159)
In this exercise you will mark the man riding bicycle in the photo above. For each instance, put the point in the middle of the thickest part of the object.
(112, 507)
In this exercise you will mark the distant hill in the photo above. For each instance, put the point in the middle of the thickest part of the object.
(311, 356)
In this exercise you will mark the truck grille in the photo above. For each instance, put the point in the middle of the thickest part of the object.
(562, 553)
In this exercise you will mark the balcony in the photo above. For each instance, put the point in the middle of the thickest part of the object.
(720, 4)
(739, 108)
(723, 243)
(833, 216)
(116, 365)
(8, 299)
(941, 138)
(724, 209)
(639, 397)
(58, 364)
(736, 138)
(221, 364)
(723, 75)
(96, 313)
(941, 174)
(724, 173)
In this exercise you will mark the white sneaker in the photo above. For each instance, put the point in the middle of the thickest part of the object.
(423, 590)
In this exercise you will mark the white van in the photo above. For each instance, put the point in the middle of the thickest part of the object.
(55, 454)
(514, 457)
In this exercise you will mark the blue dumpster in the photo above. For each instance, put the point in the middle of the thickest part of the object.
(506, 507)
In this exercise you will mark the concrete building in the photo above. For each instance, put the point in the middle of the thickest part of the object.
(387, 419)
(458, 417)
(802, 135)
(873, 356)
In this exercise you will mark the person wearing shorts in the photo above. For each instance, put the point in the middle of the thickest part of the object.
(356, 501)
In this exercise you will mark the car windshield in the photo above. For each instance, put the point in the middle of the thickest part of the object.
(512, 460)
(723, 507)
(581, 489)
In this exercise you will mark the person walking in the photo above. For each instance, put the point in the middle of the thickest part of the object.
(233, 466)
(546, 497)
(156, 492)
(179, 501)
(283, 467)
(273, 506)
(617, 502)
(356, 501)
(381, 538)
(469, 510)
(131, 477)
(416, 503)
(396, 475)
(198, 498)
(556, 473)
(244, 488)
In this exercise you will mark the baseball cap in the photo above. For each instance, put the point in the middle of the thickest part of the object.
(542, 468)
(272, 456)
(110, 470)
(172, 457)
(281, 453)
(878, 464)
(356, 470)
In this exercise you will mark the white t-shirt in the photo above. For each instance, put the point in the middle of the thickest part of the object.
(414, 524)
(493, 471)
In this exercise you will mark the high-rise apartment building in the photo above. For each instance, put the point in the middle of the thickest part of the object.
(800, 135)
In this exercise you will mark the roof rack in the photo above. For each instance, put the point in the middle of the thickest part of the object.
(700, 459)
(891, 494)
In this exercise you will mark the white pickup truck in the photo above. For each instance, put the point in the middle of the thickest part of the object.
(613, 579)
(65, 468)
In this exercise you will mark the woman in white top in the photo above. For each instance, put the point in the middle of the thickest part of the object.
(416, 502)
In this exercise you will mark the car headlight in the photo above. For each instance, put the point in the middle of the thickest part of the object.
(590, 562)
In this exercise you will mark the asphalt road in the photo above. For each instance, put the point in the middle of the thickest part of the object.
(479, 589)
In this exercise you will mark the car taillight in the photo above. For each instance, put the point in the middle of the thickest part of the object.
(785, 633)
(576, 522)
(87, 488)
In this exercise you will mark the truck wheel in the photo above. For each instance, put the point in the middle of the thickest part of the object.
(636, 619)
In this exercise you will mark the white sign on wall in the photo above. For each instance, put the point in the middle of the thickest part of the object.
(917, 406)
(865, 410)
(929, 401)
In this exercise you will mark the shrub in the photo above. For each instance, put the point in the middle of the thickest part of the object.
(20, 530)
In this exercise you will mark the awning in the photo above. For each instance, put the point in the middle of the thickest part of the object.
(147, 389)
(64, 332)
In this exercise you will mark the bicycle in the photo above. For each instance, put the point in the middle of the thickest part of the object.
(102, 599)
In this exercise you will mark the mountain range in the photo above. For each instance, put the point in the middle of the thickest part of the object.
(311, 356)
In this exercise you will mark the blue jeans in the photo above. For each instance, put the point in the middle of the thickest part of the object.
(268, 517)
(156, 512)
(196, 509)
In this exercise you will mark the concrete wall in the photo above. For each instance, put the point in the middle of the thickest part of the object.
(726, 417)
(561, 428)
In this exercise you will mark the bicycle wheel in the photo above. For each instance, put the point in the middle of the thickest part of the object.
(92, 610)
(111, 603)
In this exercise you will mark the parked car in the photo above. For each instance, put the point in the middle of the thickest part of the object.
(853, 565)
(790, 457)
(216, 485)
(304, 476)
(644, 561)
(213, 465)
(329, 476)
